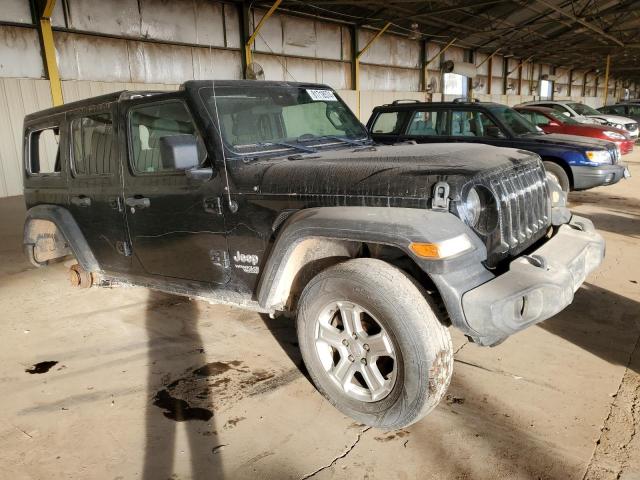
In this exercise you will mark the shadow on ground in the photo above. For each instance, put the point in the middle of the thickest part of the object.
(601, 322)
(178, 390)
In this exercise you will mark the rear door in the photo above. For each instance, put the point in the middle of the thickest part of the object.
(387, 127)
(176, 224)
(428, 125)
(476, 126)
(95, 184)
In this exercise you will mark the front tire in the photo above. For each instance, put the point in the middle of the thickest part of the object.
(372, 343)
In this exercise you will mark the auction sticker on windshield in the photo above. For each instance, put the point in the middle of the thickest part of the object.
(323, 95)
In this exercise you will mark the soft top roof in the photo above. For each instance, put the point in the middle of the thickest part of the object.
(192, 85)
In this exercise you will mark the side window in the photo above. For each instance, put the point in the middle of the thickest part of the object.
(541, 120)
(473, 124)
(428, 123)
(634, 111)
(151, 122)
(44, 151)
(561, 109)
(93, 149)
(389, 123)
(528, 115)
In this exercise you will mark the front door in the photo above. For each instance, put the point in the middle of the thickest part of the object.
(175, 221)
(95, 185)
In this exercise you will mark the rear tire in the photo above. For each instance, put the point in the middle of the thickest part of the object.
(372, 343)
(558, 172)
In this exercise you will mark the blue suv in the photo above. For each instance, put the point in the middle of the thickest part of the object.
(577, 163)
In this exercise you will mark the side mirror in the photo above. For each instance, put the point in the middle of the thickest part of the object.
(179, 152)
(566, 114)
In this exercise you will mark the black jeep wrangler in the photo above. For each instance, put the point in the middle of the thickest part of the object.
(271, 196)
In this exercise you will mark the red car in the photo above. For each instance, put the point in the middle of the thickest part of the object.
(551, 121)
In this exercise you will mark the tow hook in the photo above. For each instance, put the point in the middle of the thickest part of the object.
(536, 261)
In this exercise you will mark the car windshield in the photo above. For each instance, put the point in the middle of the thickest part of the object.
(582, 109)
(515, 122)
(281, 119)
(560, 118)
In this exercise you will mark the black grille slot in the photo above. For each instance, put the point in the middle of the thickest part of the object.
(525, 208)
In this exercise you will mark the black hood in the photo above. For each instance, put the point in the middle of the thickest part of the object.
(400, 171)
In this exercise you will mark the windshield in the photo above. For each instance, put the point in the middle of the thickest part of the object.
(560, 118)
(582, 109)
(281, 119)
(514, 121)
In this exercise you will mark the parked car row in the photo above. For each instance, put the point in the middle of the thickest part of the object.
(576, 162)
(585, 114)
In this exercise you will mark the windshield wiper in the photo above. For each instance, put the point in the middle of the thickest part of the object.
(308, 136)
(288, 145)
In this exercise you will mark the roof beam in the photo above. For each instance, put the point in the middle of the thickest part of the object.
(581, 21)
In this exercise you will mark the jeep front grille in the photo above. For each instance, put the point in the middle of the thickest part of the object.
(525, 208)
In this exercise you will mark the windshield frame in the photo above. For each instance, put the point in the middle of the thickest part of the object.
(281, 147)
(497, 112)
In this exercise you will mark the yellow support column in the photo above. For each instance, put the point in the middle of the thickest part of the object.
(51, 63)
(247, 45)
(356, 61)
(606, 79)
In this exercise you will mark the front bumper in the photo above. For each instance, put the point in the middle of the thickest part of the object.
(536, 286)
(589, 177)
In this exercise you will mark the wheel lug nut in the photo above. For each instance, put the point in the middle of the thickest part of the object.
(363, 361)
(345, 342)
(366, 347)
(351, 358)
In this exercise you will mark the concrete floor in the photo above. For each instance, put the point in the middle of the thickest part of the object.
(560, 400)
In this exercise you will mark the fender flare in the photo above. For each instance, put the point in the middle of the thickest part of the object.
(396, 227)
(68, 228)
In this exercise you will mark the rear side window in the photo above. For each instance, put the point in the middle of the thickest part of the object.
(428, 123)
(94, 152)
(151, 122)
(389, 122)
(473, 124)
(44, 151)
(541, 119)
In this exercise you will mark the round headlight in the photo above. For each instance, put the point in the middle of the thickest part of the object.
(471, 207)
(480, 210)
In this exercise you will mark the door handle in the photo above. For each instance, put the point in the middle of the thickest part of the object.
(138, 202)
(116, 203)
(81, 201)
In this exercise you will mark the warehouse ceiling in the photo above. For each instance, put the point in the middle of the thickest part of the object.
(573, 34)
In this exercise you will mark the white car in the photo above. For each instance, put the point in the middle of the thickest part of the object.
(585, 114)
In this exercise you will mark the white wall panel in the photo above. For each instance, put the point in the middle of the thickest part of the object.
(269, 38)
(20, 53)
(114, 17)
(389, 50)
(299, 36)
(383, 78)
(77, 55)
(18, 97)
(216, 64)
(330, 41)
(232, 24)
(161, 63)
(15, 11)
